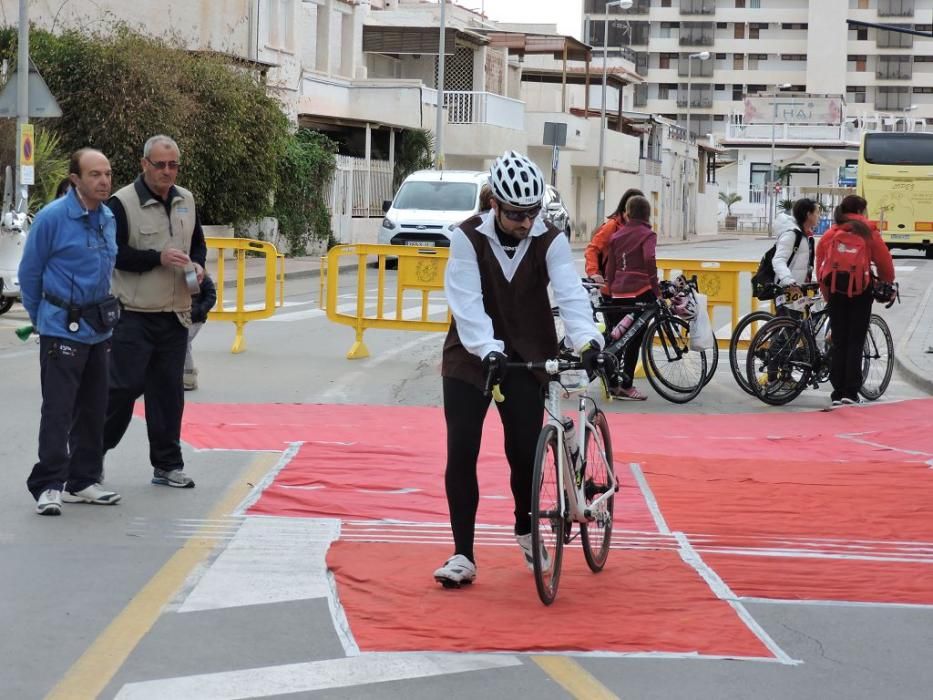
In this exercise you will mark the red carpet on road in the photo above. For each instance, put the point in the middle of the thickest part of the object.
(810, 506)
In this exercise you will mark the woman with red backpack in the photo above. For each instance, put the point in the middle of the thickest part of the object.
(844, 259)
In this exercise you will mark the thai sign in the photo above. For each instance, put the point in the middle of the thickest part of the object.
(781, 109)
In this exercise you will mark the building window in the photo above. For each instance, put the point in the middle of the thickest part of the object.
(721, 56)
(892, 98)
(793, 57)
(895, 40)
(694, 67)
(738, 93)
(697, 34)
(856, 94)
(923, 90)
(894, 68)
(755, 28)
(895, 8)
(860, 61)
(281, 28)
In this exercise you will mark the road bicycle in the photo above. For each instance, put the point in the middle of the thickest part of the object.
(675, 370)
(787, 354)
(574, 480)
(751, 324)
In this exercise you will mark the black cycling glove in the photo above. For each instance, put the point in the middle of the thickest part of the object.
(596, 360)
(494, 367)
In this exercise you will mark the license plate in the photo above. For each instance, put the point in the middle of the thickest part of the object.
(421, 244)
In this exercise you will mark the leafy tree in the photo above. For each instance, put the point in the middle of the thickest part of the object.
(304, 173)
(117, 90)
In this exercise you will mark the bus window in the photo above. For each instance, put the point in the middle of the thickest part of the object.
(898, 149)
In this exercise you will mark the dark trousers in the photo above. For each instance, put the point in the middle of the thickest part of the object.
(629, 356)
(522, 414)
(149, 360)
(74, 403)
(848, 323)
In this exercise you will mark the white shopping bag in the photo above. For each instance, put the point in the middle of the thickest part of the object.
(701, 330)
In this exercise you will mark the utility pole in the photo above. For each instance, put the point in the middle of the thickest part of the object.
(439, 124)
(22, 95)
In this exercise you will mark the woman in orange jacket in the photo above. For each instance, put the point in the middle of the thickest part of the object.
(850, 300)
(598, 247)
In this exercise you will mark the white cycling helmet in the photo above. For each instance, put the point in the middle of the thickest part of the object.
(516, 181)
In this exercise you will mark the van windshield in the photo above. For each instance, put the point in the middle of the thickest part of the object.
(437, 196)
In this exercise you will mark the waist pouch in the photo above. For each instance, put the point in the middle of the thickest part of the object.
(100, 315)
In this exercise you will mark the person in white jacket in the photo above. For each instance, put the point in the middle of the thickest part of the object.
(790, 268)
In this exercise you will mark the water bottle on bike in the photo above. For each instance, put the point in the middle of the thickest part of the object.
(619, 330)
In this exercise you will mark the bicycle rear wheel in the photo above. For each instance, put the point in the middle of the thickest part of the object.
(751, 323)
(674, 370)
(547, 516)
(877, 359)
(780, 361)
(597, 479)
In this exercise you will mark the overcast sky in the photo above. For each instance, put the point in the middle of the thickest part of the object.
(566, 14)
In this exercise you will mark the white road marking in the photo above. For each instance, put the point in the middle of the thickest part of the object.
(268, 560)
(313, 676)
(650, 500)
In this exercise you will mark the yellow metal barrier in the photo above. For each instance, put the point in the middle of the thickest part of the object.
(420, 270)
(280, 278)
(719, 281)
(239, 314)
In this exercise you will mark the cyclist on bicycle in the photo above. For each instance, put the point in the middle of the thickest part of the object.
(632, 276)
(497, 277)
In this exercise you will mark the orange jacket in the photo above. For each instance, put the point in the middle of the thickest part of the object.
(597, 249)
(880, 255)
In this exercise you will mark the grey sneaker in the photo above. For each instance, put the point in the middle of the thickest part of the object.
(49, 502)
(175, 478)
(456, 571)
(92, 494)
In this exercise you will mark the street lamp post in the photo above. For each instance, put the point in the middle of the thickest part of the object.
(702, 56)
(601, 176)
(772, 195)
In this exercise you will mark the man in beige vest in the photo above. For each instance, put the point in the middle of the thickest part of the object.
(159, 240)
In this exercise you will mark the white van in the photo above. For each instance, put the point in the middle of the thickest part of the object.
(429, 205)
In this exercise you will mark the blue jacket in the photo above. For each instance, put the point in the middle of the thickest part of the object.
(65, 257)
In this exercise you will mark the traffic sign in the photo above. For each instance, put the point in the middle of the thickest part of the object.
(27, 154)
(42, 104)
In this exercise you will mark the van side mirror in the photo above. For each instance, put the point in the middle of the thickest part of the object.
(386, 205)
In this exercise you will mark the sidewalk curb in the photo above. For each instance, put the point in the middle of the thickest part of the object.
(912, 373)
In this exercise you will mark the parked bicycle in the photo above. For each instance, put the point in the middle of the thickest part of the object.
(675, 370)
(748, 325)
(787, 355)
(573, 482)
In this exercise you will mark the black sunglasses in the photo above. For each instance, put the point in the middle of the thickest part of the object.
(520, 214)
(163, 164)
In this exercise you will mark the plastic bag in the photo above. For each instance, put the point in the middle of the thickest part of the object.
(701, 330)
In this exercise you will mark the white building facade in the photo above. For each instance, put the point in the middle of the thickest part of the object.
(757, 45)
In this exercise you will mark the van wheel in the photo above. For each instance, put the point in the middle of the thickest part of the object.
(6, 303)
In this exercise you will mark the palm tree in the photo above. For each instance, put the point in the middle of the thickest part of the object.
(729, 199)
(414, 150)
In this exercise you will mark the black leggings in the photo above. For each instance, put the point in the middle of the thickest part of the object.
(522, 414)
(629, 357)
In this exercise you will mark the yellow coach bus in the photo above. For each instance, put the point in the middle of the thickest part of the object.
(895, 176)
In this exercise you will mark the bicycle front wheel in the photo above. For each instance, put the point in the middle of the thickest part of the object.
(674, 370)
(877, 359)
(780, 361)
(749, 325)
(598, 479)
(547, 516)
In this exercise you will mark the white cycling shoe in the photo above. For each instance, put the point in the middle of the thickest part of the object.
(524, 541)
(457, 571)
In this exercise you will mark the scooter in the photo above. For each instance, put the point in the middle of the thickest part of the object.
(14, 227)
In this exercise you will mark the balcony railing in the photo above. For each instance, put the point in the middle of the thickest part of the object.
(704, 40)
(695, 101)
(484, 108)
(697, 7)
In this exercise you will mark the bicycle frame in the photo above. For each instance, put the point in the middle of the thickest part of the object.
(574, 508)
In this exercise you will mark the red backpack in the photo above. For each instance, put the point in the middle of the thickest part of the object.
(847, 263)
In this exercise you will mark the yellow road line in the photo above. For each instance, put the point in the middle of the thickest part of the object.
(91, 673)
(574, 678)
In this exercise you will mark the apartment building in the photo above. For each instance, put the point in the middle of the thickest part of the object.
(758, 46)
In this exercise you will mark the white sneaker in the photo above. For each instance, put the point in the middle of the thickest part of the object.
(50, 502)
(524, 541)
(457, 571)
(92, 494)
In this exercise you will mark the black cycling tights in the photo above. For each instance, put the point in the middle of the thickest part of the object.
(522, 414)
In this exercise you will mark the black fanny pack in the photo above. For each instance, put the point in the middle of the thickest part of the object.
(99, 315)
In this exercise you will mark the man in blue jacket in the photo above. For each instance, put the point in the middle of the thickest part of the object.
(65, 281)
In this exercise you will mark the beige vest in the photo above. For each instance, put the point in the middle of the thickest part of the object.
(150, 228)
